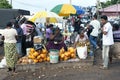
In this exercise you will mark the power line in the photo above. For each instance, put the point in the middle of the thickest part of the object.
(26, 4)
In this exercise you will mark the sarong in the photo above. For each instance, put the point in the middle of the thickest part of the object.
(10, 54)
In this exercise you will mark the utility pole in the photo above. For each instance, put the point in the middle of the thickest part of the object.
(45, 9)
(70, 1)
(118, 9)
(11, 2)
(98, 7)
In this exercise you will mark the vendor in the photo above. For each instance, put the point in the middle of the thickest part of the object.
(56, 41)
(81, 39)
(28, 33)
(49, 31)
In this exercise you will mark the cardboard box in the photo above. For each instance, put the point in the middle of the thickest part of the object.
(37, 39)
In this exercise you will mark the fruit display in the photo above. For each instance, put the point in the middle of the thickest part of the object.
(39, 55)
(25, 60)
(36, 56)
(69, 54)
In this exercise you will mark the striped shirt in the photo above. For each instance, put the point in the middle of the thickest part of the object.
(116, 35)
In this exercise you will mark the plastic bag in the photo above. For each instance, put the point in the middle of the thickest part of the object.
(3, 63)
(82, 52)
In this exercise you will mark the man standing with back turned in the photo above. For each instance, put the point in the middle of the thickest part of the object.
(94, 34)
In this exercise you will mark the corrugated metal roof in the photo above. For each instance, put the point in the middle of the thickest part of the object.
(8, 14)
(21, 11)
(113, 8)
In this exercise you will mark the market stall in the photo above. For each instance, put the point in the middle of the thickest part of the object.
(42, 55)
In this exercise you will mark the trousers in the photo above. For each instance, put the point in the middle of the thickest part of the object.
(105, 55)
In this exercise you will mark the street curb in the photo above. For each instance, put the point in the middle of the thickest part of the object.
(3, 74)
(45, 65)
(20, 67)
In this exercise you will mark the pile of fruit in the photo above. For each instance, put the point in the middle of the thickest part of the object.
(39, 55)
(43, 55)
(35, 57)
(25, 60)
(69, 54)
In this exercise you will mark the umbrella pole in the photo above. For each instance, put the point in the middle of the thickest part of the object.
(46, 23)
(45, 40)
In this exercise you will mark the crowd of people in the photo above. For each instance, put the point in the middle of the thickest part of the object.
(17, 37)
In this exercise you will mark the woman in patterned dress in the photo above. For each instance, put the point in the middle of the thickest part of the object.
(10, 50)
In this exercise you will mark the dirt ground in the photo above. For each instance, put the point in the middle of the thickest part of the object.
(69, 73)
(72, 72)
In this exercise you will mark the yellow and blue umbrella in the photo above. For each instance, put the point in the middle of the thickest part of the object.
(67, 9)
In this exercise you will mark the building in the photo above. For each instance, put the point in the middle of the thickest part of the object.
(111, 11)
(8, 14)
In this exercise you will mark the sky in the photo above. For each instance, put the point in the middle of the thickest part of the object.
(40, 5)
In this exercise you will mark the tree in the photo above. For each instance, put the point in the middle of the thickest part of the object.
(5, 4)
(115, 1)
(103, 4)
(108, 3)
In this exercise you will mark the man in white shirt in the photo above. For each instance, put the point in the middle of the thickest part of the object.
(94, 34)
(107, 40)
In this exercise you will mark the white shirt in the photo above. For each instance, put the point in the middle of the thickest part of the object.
(96, 25)
(9, 35)
(108, 38)
(23, 26)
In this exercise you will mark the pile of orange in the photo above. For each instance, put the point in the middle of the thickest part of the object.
(69, 54)
(39, 55)
(43, 55)
(25, 60)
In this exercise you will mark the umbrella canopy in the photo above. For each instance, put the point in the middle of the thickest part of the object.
(44, 16)
(67, 9)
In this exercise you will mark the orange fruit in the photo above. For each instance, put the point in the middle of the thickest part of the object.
(62, 55)
(38, 57)
(32, 50)
(48, 58)
(62, 50)
(71, 49)
(40, 60)
(67, 53)
(65, 58)
(42, 56)
(35, 54)
(35, 61)
(31, 57)
(73, 55)
(45, 59)
(44, 51)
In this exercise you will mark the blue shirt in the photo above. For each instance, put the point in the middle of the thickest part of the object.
(20, 33)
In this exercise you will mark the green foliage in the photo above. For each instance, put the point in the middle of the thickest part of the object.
(5, 4)
(115, 1)
(108, 3)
